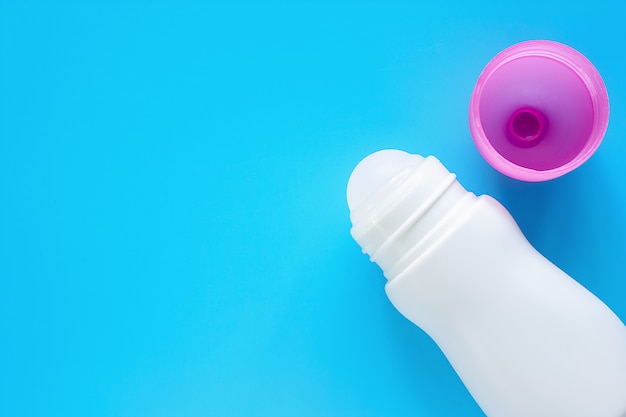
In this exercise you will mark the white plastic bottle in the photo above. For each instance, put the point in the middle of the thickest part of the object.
(526, 339)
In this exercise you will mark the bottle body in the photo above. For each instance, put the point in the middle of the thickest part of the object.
(525, 338)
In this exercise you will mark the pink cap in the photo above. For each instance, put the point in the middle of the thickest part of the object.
(539, 110)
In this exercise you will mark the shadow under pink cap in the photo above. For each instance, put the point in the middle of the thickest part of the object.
(539, 110)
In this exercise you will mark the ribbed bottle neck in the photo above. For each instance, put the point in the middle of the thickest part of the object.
(409, 214)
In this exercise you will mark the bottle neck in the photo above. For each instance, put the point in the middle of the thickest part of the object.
(408, 215)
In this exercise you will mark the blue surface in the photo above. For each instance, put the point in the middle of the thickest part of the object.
(174, 237)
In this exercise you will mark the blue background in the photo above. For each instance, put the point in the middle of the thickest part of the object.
(174, 237)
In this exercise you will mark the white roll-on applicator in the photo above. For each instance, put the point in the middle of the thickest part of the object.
(526, 339)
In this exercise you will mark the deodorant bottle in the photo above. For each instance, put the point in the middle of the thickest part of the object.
(525, 338)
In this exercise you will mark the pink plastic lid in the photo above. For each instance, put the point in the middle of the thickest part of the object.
(539, 110)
